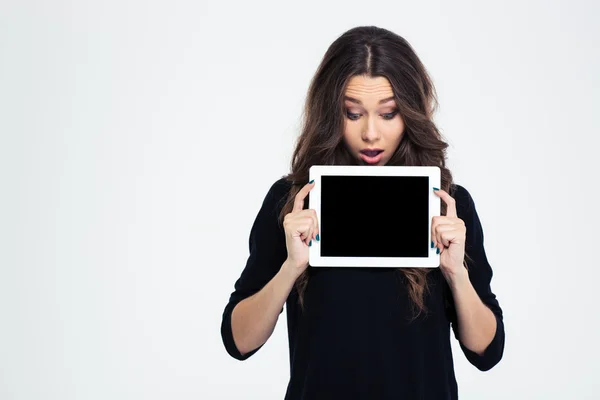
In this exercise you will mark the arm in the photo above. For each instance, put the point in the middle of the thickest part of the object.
(476, 321)
(263, 285)
(474, 311)
(253, 319)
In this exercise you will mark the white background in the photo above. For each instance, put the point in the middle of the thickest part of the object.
(139, 138)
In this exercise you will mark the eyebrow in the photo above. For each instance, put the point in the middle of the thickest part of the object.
(352, 99)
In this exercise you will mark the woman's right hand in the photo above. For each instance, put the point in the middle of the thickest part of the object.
(301, 226)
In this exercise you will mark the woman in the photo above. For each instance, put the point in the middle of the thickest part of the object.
(367, 333)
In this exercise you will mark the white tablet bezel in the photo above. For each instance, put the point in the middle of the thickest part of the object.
(317, 171)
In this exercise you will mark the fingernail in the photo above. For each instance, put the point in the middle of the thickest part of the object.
(311, 181)
(318, 237)
(310, 243)
(437, 251)
(435, 188)
(432, 244)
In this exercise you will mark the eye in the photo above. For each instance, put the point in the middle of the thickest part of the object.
(352, 116)
(390, 115)
(387, 116)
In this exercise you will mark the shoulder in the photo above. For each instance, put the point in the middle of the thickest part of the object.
(464, 201)
(282, 185)
(278, 192)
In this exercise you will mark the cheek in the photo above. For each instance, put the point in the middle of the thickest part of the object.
(394, 131)
(351, 134)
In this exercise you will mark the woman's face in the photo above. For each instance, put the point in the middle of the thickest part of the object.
(371, 120)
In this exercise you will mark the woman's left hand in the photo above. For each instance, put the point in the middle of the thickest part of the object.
(448, 233)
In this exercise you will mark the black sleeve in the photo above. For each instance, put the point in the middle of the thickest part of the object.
(267, 253)
(480, 274)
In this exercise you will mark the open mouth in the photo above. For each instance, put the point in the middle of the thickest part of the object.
(371, 156)
(371, 153)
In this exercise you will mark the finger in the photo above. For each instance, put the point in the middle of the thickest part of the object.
(302, 193)
(311, 214)
(442, 237)
(439, 224)
(434, 223)
(438, 220)
(437, 238)
(309, 234)
(450, 202)
(305, 227)
(315, 224)
(447, 234)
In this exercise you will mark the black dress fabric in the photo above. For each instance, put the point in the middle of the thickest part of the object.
(354, 339)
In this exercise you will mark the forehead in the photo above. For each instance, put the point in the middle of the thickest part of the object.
(369, 89)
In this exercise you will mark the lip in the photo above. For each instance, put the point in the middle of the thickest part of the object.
(371, 160)
(371, 149)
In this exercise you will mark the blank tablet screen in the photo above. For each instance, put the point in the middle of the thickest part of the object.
(375, 216)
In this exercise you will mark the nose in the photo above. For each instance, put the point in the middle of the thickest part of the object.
(371, 134)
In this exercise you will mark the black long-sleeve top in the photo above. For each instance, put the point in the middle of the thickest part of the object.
(354, 339)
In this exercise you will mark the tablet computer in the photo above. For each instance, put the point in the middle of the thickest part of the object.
(374, 215)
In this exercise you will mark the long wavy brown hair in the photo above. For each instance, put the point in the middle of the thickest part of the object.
(374, 52)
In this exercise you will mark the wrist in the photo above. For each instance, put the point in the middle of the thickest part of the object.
(291, 270)
(458, 280)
